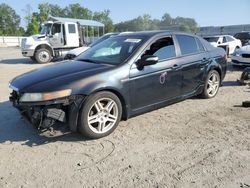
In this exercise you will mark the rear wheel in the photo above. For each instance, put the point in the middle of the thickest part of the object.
(100, 115)
(212, 85)
(43, 56)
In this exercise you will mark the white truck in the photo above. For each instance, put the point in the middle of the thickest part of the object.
(57, 37)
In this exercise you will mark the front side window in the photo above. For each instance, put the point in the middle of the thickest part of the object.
(114, 50)
(163, 48)
(56, 28)
(187, 44)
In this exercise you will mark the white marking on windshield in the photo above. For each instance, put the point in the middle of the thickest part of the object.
(133, 40)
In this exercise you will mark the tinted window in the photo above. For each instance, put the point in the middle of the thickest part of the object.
(72, 28)
(242, 36)
(224, 40)
(56, 28)
(211, 39)
(229, 39)
(162, 48)
(200, 45)
(187, 44)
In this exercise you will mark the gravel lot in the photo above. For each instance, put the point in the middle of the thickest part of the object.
(194, 143)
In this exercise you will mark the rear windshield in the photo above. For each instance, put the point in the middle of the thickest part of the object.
(242, 35)
(211, 39)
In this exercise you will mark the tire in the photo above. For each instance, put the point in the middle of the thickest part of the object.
(212, 85)
(43, 56)
(96, 120)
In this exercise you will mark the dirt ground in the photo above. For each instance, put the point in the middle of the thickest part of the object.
(194, 143)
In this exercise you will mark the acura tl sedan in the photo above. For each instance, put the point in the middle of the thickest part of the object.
(121, 77)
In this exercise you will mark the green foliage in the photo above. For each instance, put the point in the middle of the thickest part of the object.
(10, 21)
(167, 23)
(104, 18)
(33, 27)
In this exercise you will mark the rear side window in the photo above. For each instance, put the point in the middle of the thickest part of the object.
(229, 39)
(72, 28)
(200, 45)
(187, 44)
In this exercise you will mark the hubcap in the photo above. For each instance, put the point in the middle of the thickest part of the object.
(44, 56)
(213, 84)
(102, 115)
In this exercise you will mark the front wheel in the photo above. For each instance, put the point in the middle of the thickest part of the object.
(100, 115)
(43, 56)
(212, 85)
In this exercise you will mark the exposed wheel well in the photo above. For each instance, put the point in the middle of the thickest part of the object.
(46, 47)
(219, 71)
(121, 98)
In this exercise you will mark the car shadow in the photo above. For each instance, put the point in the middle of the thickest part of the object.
(230, 83)
(17, 61)
(25, 60)
(13, 128)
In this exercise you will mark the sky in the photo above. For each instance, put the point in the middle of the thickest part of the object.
(205, 12)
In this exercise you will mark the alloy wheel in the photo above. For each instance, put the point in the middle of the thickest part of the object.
(103, 115)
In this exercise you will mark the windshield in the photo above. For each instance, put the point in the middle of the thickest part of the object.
(114, 50)
(45, 29)
(104, 37)
(211, 39)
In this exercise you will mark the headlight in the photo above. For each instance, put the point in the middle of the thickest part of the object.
(36, 97)
(237, 54)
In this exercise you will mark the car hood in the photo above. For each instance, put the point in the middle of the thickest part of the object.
(245, 49)
(78, 51)
(58, 71)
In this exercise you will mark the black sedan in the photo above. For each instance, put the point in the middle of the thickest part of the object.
(121, 77)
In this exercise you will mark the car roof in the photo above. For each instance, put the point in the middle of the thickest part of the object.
(218, 36)
(152, 33)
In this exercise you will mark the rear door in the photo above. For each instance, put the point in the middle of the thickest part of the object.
(156, 83)
(193, 59)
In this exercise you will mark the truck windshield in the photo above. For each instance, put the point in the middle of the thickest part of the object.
(45, 29)
(114, 50)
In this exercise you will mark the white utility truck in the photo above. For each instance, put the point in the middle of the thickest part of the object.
(57, 37)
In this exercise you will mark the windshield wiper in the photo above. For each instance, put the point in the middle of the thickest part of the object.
(88, 60)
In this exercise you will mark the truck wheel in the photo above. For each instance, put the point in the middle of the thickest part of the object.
(212, 85)
(43, 56)
(100, 115)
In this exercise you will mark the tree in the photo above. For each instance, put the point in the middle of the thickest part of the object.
(28, 14)
(33, 27)
(10, 21)
(77, 11)
(104, 18)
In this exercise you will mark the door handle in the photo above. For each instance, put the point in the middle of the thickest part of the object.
(175, 66)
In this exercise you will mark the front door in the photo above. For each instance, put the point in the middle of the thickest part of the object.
(56, 38)
(157, 83)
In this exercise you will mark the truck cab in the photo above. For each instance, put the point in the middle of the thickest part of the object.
(56, 38)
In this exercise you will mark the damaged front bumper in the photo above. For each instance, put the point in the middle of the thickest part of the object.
(45, 114)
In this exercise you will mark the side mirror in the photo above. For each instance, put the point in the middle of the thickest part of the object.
(147, 60)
